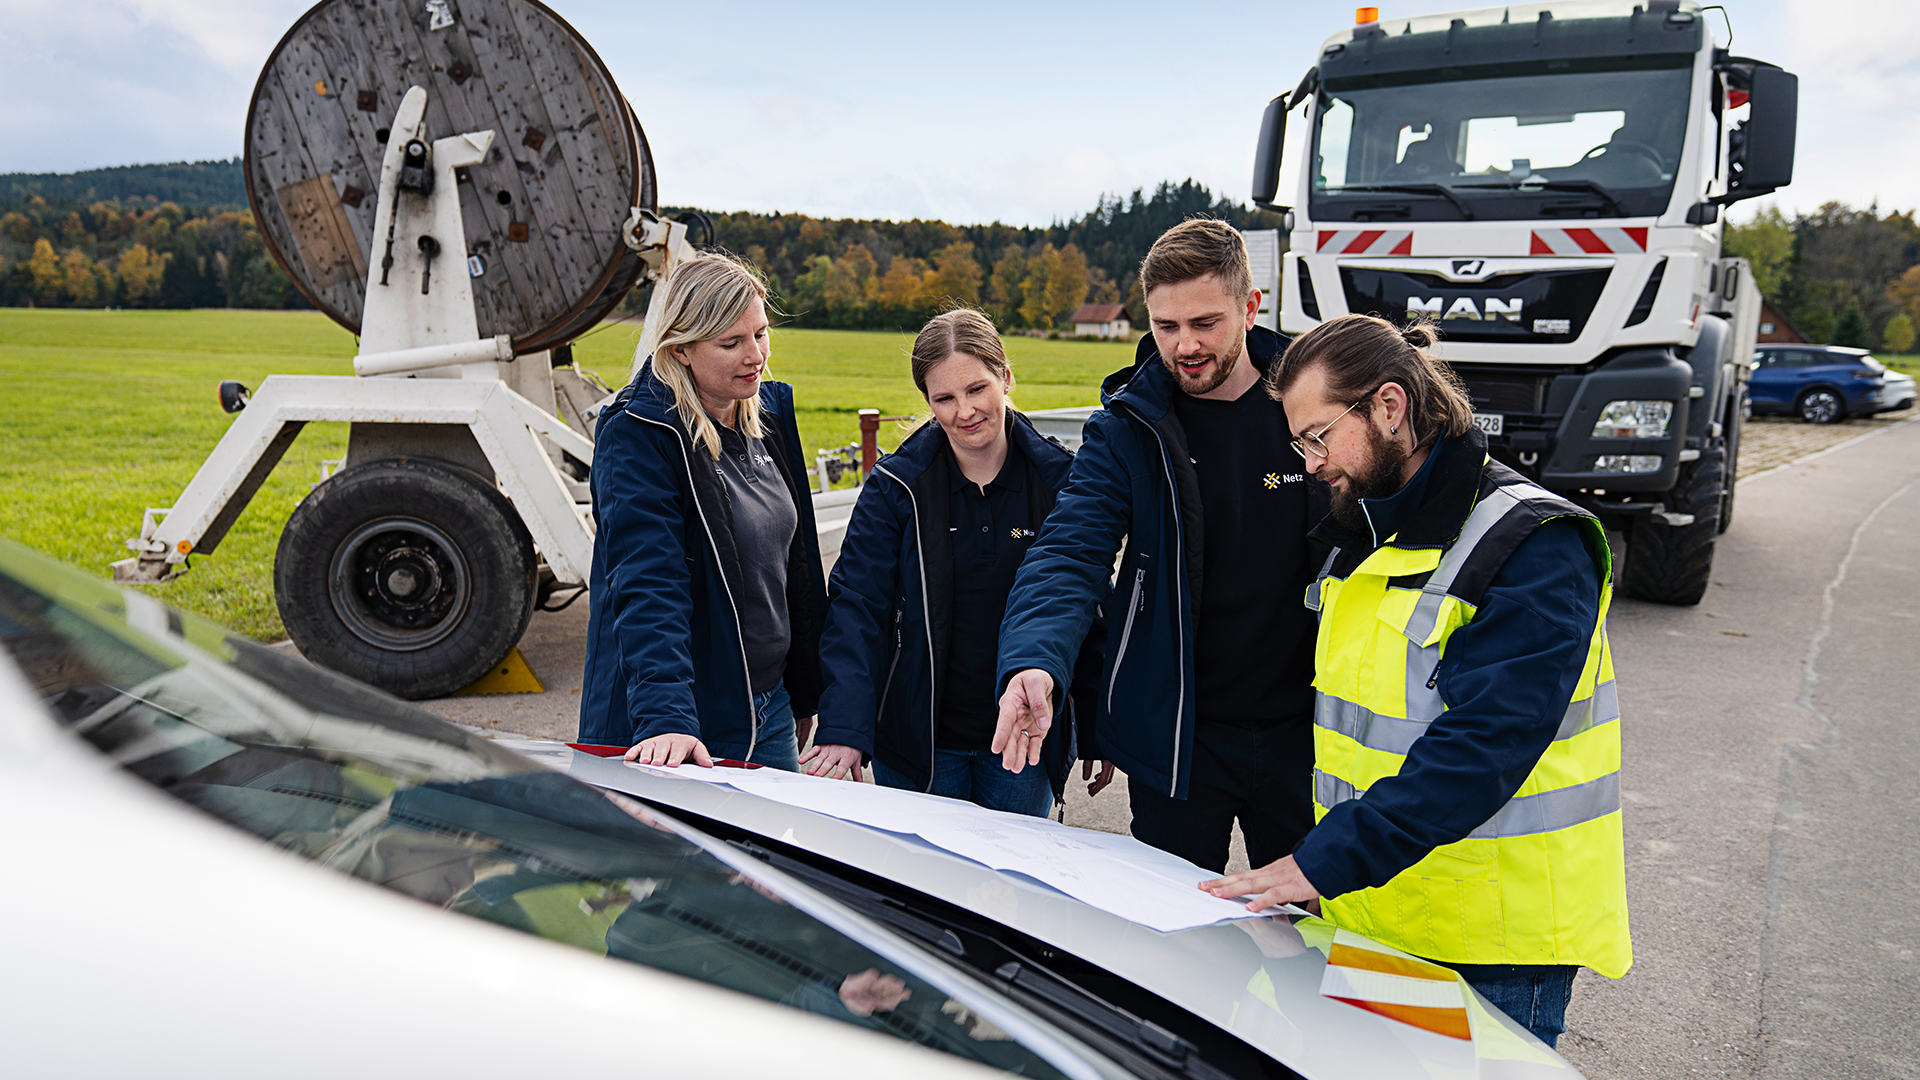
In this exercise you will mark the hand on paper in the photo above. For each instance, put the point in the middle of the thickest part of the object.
(671, 750)
(870, 992)
(832, 762)
(1098, 782)
(1276, 883)
(1026, 713)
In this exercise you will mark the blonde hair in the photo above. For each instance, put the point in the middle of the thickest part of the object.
(705, 295)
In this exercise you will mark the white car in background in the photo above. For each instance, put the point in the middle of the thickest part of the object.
(227, 862)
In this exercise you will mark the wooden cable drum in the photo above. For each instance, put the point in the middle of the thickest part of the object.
(543, 212)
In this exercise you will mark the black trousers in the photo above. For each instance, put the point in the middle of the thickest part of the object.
(1261, 775)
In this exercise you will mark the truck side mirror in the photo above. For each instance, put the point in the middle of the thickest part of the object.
(1266, 154)
(1771, 128)
(1273, 139)
(1760, 153)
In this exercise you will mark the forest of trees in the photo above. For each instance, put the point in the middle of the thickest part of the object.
(176, 236)
(1844, 276)
(121, 238)
(896, 274)
(180, 235)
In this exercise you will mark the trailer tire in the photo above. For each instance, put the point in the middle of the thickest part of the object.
(1670, 564)
(415, 576)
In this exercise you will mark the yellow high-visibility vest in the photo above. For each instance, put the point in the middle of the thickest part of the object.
(1543, 881)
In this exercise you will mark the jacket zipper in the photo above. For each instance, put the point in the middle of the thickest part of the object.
(746, 678)
(1179, 600)
(899, 645)
(1126, 633)
(926, 616)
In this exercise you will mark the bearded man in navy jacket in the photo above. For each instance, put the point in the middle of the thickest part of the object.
(1206, 698)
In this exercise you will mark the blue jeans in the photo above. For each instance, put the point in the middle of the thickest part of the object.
(978, 777)
(1536, 997)
(775, 748)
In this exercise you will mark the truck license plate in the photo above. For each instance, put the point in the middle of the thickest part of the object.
(1490, 423)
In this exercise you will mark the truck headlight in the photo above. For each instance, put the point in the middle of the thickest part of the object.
(1627, 463)
(1633, 420)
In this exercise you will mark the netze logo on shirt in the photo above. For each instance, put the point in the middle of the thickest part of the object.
(1023, 534)
(1274, 480)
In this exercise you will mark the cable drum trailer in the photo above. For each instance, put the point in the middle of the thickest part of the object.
(460, 184)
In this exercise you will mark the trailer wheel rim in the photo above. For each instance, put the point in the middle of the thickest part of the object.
(399, 584)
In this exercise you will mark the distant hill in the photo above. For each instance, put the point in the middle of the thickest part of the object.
(212, 185)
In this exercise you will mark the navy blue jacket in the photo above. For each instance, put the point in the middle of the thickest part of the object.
(1506, 677)
(1132, 480)
(664, 647)
(890, 617)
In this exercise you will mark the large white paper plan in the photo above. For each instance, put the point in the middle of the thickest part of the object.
(1116, 874)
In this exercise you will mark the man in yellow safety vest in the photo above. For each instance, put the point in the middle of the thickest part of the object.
(1467, 736)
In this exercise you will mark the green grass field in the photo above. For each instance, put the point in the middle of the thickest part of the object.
(111, 412)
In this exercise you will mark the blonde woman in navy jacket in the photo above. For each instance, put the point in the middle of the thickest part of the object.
(917, 595)
(706, 589)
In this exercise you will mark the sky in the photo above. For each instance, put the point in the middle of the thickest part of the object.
(1024, 113)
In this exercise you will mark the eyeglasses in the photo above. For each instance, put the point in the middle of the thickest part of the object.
(1311, 440)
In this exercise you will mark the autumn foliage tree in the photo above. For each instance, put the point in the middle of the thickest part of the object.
(139, 253)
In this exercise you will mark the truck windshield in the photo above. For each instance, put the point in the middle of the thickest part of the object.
(1541, 143)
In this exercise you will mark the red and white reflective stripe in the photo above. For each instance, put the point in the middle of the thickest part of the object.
(1367, 242)
(1606, 240)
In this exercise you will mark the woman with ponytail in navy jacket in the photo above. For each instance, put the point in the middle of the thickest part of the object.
(916, 598)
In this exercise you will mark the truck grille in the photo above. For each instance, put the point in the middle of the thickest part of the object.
(1492, 393)
(1547, 307)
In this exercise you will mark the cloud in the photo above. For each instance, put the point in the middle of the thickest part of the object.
(1018, 112)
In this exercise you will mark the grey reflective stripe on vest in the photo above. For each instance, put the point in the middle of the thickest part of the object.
(1525, 815)
(1313, 590)
(1330, 791)
(1487, 513)
(1589, 713)
(1551, 811)
(1396, 734)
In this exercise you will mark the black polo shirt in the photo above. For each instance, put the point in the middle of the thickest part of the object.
(1253, 636)
(991, 532)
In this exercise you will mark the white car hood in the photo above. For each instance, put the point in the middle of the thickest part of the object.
(1260, 979)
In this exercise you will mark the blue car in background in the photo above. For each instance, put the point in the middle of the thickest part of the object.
(1822, 384)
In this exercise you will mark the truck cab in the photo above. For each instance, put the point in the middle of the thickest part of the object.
(1545, 183)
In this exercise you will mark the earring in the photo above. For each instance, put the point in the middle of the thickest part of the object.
(1394, 430)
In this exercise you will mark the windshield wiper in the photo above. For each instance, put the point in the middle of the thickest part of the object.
(1564, 185)
(1441, 190)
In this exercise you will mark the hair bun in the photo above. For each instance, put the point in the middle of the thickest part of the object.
(1421, 334)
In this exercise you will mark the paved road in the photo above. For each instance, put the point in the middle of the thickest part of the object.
(1770, 781)
(1771, 751)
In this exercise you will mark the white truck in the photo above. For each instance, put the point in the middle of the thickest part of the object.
(1545, 183)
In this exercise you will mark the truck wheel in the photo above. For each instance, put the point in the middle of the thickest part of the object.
(1821, 406)
(1670, 564)
(1735, 421)
(412, 575)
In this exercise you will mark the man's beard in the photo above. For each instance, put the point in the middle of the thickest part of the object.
(1380, 478)
(1207, 383)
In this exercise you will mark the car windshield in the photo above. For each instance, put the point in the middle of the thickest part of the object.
(368, 786)
(1504, 139)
